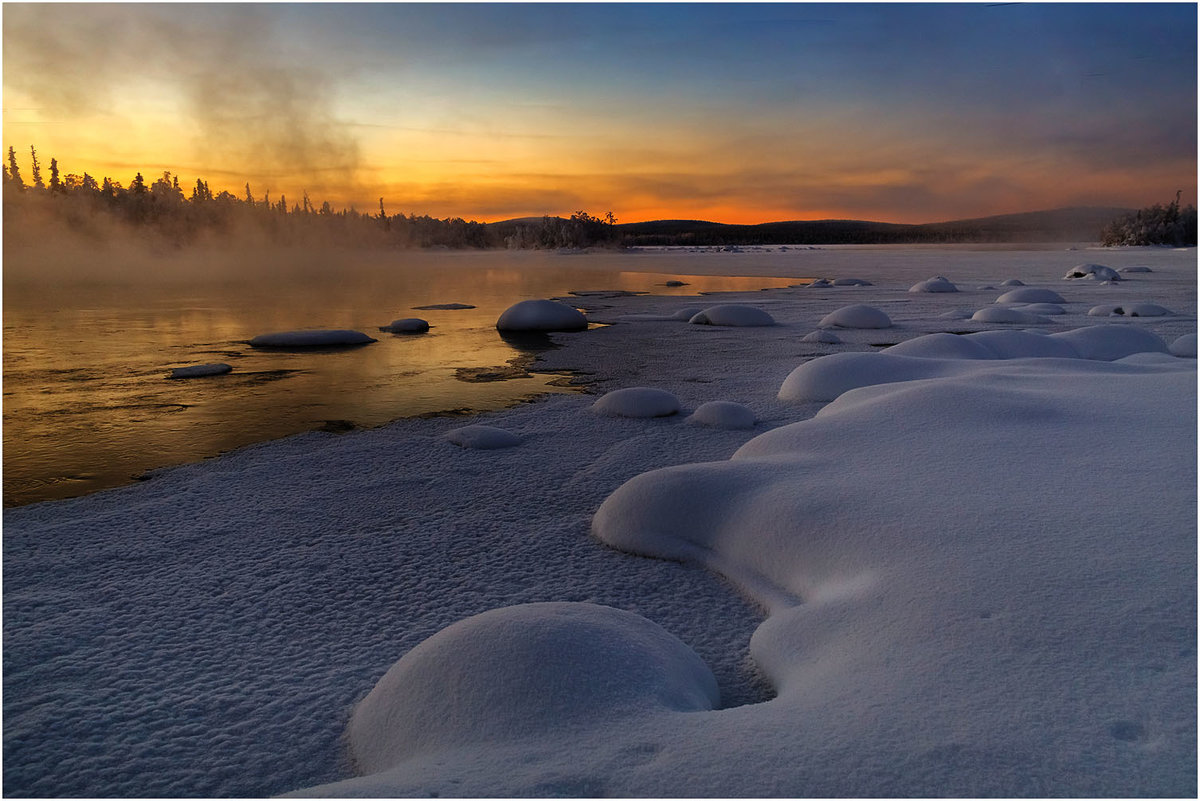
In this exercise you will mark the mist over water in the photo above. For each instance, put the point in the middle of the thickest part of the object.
(93, 327)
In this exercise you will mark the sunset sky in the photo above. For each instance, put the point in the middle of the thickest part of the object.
(733, 113)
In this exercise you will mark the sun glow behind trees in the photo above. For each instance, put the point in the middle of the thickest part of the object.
(735, 113)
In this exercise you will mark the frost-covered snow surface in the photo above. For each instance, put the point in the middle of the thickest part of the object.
(972, 574)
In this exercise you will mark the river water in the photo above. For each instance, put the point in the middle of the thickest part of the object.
(87, 401)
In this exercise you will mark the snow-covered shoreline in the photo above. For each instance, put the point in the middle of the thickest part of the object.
(208, 632)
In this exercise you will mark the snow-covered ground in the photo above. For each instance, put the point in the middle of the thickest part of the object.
(975, 578)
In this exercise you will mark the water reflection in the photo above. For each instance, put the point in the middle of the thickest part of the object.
(87, 404)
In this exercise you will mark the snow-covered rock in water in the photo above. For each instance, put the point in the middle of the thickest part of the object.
(540, 669)
(821, 335)
(1013, 282)
(637, 402)
(675, 283)
(1031, 294)
(1001, 314)
(856, 316)
(1135, 270)
(541, 315)
(732, 314)
(941, 346)
(481, 437)
(200, 370)
(1095, 272)
(406, 325)
(851, 282)
(818, 283)
(1184, 346)
(935, 284)
(1130, 310)
(1111, 342)
(723, 414)
(313, 338)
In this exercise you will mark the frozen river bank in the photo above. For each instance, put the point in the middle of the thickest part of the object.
(208, 632)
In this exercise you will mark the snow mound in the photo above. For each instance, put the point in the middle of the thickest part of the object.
(1185, 346)
(521, 671)
(1013, 282)
(851, 282)
(820, 335)
(999, 314)
(732, 314)
(1135, 270)
(935, 284)
(637, 402)
(686, 313)
(200, 370)
(818, 283)
(1031, 294)
(314, 338)
(481, 437)
(406, 325)
(723, 414)
(1043, 308)
(956, 314)
(1014, 344)
(1095, 272)
(1111, 342)
(941, 346)
(1130, 310)
(541, 315)
(856, 316)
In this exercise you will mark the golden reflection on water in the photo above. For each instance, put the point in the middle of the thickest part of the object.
(87, 404)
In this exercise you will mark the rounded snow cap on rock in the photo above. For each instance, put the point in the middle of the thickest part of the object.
(637, 402)
(686, 313)
(1031, 294)
(999, 314)
(520, 670)
(935, 284)
(315, 338)
(484, 438)
(1185, 346)
(541, 315)
(856, 316)
(732, 314)
(201, 370)
(940, 346)
(820, 282)
(1097, 272)
(820, 335)
(723, 414)
(1043, 308)
(1013, 282)
(406, 325)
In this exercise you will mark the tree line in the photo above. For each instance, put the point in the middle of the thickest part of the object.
(181, 216)
(1153, 225)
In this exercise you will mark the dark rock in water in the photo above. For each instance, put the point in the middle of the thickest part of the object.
(443, 306)
(603, 293)
(200, 370)
(315, 338)
(337, 426)
(675, 283)
(406, 325)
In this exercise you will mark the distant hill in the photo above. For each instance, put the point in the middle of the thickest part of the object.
(1075, 224)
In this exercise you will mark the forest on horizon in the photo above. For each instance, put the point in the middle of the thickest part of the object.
(164, 213)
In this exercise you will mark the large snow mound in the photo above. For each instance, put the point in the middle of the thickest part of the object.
(723, 414)
(856, 316)
(935, 355)
(733, 314)
(936, 284)
(314, 338)
(541, 315)
(637, 402)
(1031, 294)
(894, 582)
(533, 669)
